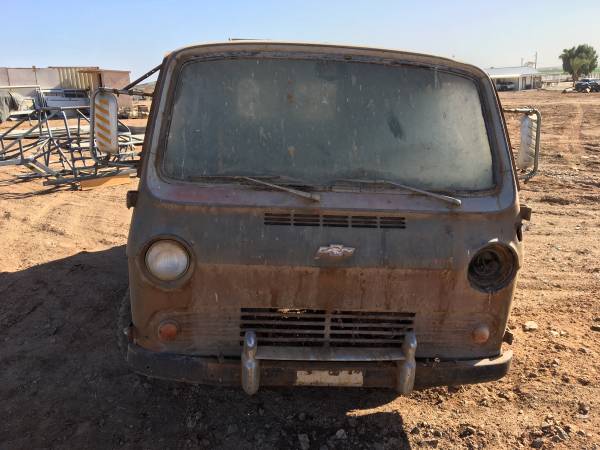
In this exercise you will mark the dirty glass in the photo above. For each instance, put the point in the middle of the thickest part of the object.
(321, 121)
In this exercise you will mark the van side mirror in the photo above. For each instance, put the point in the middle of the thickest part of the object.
(104, 121)
(527, 159)
(526, 155)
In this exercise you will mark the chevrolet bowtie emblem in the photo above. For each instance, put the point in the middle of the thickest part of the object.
(334, 252)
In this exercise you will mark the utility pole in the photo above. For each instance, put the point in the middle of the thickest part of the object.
(535, 63)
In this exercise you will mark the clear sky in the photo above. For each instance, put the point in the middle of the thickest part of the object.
(135, 35)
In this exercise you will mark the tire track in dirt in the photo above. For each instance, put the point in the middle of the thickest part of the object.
(575, 130)
(60, 224)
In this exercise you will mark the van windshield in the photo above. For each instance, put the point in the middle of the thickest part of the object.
(321, 121)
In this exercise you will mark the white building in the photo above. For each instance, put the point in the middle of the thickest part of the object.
(515, 78)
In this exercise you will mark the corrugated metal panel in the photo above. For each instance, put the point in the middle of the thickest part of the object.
(71, 78)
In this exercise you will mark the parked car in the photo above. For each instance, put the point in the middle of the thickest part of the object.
(505, 86)
(587, 85)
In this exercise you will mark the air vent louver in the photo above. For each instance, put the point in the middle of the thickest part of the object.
(306, 220)
(315, 220)
(392, 222)
(278, 219)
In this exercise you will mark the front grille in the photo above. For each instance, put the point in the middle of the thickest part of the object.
(321, 328)
(316, 220)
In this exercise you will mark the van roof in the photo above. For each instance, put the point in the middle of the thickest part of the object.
(266, 45)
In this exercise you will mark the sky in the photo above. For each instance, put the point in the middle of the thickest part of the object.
(135, 35)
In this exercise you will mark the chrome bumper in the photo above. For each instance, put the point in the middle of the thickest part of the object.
(375, 374)
(404, 358)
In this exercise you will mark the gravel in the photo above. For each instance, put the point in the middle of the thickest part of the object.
(530, 326)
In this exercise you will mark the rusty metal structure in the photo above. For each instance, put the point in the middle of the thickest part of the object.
(277, 280)
(60, 151)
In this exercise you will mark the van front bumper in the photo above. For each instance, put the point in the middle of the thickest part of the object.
(228, 372)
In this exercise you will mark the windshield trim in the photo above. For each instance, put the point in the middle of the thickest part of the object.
(180, 62)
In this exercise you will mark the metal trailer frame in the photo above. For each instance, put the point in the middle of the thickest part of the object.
(63, 152)
(67, 154)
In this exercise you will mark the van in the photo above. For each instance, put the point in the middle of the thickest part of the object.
(320, 215)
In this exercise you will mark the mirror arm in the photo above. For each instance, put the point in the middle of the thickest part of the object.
(142, 78)
(124, 92)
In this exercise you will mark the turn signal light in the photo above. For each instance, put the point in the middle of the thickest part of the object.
(167, 331)
(480, 334)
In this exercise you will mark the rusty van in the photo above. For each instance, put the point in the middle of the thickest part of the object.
(323, 215)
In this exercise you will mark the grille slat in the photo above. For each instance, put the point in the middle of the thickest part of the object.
(286, 330)
(369, 326)
(310, 327)
(370, 331)
(367, 333)
(334, 332)
(328, 220)
(269, 323)
(285, 339)
(358, 318)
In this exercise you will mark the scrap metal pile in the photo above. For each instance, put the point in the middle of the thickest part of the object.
(55, 144)
(59, 145)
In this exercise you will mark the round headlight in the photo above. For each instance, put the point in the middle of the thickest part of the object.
(167, 260)
(492, 268)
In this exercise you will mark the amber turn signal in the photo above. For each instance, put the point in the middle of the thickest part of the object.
(167, 331)
(480, 334)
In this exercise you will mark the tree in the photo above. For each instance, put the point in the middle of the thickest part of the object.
(580, 60)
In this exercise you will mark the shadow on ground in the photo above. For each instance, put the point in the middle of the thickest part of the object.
(65, 383)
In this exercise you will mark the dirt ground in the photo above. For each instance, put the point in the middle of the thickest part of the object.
(64, 383)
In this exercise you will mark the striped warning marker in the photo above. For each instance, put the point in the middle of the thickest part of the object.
(105, 122)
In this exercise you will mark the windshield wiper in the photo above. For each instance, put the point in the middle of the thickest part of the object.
(258, 180)
(446, 198)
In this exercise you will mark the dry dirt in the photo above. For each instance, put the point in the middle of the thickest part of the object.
(64, 383)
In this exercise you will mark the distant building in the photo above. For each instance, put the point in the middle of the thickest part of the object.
(515, 78)
(62, 86)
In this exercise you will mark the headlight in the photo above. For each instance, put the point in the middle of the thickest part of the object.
(167, 260)
(492, 268)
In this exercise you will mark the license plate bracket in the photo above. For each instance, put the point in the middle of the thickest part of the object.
(342, 378)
